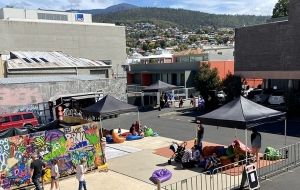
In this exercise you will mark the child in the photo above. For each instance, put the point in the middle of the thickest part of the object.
(54, 175)
(212, 162)
(80, 170)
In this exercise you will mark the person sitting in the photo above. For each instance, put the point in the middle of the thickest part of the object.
(188, 159)
(212, 162)
(138, 128)
(132, 130)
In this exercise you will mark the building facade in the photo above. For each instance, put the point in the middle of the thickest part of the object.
(71, 33)
(271, 51)
(30, 64)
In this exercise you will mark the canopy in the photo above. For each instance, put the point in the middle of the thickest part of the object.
(109, 105)
(159, 86)
(241, 113)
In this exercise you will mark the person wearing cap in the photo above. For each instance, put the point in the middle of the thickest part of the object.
(36, 169)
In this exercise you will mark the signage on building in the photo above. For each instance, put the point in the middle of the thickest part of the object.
(79, 17)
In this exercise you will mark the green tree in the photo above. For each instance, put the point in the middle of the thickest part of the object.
(281, 9)
(232, 86)
(207, 79)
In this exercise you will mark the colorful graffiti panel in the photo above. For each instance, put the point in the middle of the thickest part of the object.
(68, 146)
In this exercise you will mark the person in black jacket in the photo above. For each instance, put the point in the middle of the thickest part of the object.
(36, 170)
(255, 142)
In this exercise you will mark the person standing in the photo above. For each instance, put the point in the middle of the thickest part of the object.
(54, 175)
(80, 170)
(200, 134)
(36, 170)
(255, 142)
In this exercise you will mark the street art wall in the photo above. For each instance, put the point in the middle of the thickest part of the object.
(68, 146)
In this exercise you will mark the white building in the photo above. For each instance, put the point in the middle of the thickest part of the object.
(72, 33)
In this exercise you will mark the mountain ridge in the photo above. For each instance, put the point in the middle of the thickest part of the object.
(112, 9)
(178, 17)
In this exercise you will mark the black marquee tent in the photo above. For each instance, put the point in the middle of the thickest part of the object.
(159, 86)
(242, 113)
(107, 106)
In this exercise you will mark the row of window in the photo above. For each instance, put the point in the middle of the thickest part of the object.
(16, 118)
(35, 60)
(48, 16)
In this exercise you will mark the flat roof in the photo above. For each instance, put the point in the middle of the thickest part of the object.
(59, 22)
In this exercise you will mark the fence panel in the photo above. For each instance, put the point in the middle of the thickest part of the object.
(230, 176)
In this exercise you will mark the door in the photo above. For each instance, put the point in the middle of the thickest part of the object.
(16, 121)
(174, 78)
(5, 123)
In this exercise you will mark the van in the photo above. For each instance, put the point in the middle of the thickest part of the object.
(18, 120)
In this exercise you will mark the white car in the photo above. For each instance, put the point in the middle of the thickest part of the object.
(277, 98)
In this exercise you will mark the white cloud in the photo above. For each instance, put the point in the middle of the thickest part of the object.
(60, 4)
(256, 7)
(252, 7)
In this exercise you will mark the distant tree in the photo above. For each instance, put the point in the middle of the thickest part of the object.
(206, 79)
(232, 86)
(162, 44)
(281, 9)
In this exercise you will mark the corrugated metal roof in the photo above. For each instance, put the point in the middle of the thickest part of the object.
(22, 80)
(54, 59)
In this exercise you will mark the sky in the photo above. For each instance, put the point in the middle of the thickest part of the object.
(252, 7)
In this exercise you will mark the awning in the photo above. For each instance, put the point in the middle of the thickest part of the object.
(84, 97)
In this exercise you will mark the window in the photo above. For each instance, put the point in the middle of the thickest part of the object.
(36, 60)
(16, 118)
(27, 60)
(28, 116)
(48, 16)
(43, 59)
(4, 119)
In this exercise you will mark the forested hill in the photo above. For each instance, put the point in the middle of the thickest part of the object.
(178, 17)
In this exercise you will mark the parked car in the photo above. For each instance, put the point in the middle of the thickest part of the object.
(263, 96)
(254, 92)
(277, 98)
(18, 120)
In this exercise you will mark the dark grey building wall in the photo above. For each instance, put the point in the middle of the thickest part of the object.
(270, 47)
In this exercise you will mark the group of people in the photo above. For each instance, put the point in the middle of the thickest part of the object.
(136, 129)
(38, 170)
(194, 157)
(163, 100)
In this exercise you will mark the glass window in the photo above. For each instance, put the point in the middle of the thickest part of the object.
(16, 118)
(28, 116)
(45, 60)
(4, 119)
(36, 60)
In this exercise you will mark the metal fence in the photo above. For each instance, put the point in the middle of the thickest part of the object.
(230, 176)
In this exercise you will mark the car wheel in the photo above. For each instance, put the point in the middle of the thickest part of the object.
(28, 126)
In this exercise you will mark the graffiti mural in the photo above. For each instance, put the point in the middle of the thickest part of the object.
(68, 146)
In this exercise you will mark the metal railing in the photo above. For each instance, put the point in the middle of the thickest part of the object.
(230, 176)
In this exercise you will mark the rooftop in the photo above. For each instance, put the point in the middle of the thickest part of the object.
(53, 59)
(47, 79)
(192, 51)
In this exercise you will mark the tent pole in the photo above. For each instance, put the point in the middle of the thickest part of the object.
(101, 130)
(246, 139)
(285, 132)
(139, 117)
(235, 133)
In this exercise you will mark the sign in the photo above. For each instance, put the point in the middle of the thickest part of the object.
(250, 174)
(79, 17)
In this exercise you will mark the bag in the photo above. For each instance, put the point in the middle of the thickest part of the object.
(272, 154)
